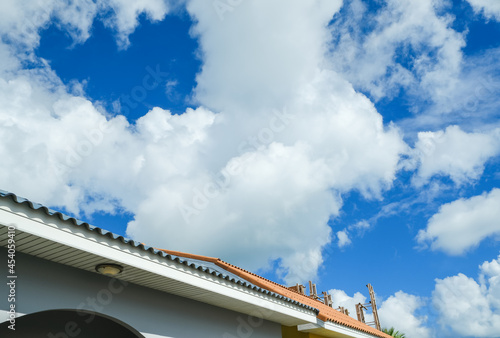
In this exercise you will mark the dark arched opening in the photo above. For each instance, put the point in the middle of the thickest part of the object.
(68, 324)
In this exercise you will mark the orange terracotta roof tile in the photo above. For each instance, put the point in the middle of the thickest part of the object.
(326, 313)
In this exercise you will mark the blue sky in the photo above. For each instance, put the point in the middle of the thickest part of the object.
(345, 142)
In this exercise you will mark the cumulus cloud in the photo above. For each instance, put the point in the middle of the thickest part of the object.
(255, 173)
(454, 153)
(273, 180)
(490, 9)
(467, 307)
(399, 311)
(160, 169)
(260, 176)
(463, 224)
(340, 298)
(249, 69)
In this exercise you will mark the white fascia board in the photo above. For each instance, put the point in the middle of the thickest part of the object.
(37, 222)
(335, 330)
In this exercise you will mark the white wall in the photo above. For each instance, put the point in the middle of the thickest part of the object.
(44, 285)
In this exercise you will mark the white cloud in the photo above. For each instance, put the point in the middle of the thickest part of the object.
(331, 137)
(77, 17)
(454, 153)
(340, 298)
(412, 46)
(398, 311)
(361, 225)
(21, 21)
(469, 307)
(490, 9)
(127, 12)
(247, 68)
(257, 178)
(343, 238)
(463, 223)
(280, 183)
(261, 185)
(400, 28)
(170, 90)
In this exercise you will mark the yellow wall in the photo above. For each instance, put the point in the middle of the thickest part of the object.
(291, 332)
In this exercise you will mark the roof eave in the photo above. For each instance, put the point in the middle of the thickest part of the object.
(101, 245)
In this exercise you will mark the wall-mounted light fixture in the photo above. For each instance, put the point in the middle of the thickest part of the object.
(109, 269)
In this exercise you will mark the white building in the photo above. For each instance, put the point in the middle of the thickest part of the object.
(54, 288)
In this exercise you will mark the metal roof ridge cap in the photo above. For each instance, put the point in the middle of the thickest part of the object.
(253, 278)
(188, 255)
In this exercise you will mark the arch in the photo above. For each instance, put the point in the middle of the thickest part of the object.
(68, 323)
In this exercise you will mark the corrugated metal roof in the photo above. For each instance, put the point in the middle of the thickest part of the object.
(207, 267)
